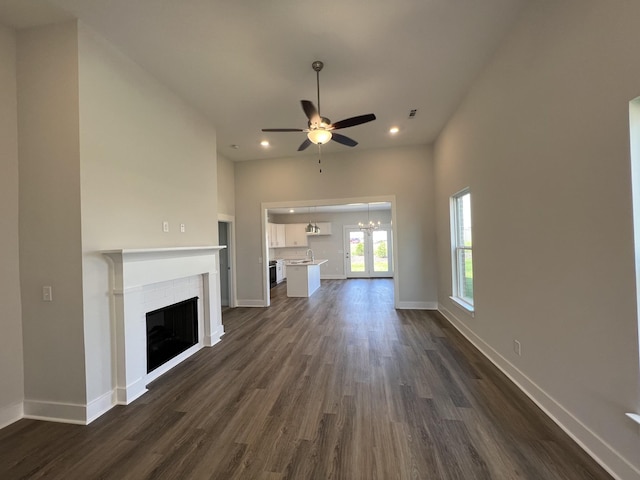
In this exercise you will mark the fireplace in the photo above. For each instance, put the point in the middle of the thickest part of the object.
(146, 280)
(170, 331)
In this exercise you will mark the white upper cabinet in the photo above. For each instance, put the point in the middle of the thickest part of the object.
(295, 235)
(277, 236)
(325, 228)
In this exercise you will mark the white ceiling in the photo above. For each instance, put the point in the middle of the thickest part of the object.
(246, 64)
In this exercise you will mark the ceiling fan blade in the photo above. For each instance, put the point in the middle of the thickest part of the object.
(310, 111)
(282, 130)
(353, 121)
(349, 142)
(304, 145)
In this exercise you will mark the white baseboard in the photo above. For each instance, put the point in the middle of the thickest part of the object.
(333, 277)
(591, 443)
(250, 303)
(85, 414)
(417, 305)
(100, 406)
(11, 413)
(133, 391)
(56, 412)
(211, 340)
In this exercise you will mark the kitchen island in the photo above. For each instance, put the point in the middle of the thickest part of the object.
(303, 277)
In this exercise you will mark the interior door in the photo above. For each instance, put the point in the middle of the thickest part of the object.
(368, 255)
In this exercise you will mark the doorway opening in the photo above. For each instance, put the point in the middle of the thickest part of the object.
(227, 279)
(332, 216)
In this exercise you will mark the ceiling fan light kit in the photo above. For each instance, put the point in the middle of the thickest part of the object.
(319, 136)
(319, 129)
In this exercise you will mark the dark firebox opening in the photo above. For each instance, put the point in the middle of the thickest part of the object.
(170, 331)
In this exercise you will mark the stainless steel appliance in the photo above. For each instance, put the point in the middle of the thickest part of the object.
(273, 281)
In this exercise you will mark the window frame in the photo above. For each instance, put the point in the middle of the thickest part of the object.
(457, 248)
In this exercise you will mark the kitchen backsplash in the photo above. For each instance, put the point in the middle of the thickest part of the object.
(287, 253)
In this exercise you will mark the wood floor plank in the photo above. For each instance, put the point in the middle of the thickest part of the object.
(340, 385)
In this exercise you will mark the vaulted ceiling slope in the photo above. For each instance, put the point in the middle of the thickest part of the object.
(246, 64)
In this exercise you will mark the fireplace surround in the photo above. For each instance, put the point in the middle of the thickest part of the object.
(146, 279)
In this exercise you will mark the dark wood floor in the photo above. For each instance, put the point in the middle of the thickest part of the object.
(338, 386)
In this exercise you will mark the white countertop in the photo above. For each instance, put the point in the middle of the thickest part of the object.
(304, 263)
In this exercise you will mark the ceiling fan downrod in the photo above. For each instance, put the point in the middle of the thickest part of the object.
(317, 67)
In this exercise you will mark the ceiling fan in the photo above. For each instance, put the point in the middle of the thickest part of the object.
(320, 130)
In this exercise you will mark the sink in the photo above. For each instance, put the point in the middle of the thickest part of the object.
(300, 262)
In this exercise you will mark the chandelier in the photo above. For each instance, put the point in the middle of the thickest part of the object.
(370, 226)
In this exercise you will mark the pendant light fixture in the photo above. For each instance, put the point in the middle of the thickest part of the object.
(309, 227)
(312, 228)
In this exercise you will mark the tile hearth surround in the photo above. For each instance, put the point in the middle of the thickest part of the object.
(157, 277)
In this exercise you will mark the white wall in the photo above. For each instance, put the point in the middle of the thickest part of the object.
(226, 186)
(49, 208)
(542, 140)
(406, 173)
(146, 157)
(11, 364)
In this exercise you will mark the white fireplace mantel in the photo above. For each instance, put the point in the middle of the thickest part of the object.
(134, 269)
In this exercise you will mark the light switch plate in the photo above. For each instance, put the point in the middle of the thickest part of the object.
(47, 294)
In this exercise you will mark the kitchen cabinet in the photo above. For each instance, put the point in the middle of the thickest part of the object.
(280, 271)
(276, 235)
(295, 235)
(304, 278)
(325, 229)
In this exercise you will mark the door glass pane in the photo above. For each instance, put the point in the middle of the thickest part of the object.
(356, 251)
(380, 251)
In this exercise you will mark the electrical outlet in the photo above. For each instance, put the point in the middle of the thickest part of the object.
(47, 294)
(165, 226)
(517, 347)
(182, 228)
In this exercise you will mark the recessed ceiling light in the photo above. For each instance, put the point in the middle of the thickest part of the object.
(394, 130)
(291, 210)
(264, 143)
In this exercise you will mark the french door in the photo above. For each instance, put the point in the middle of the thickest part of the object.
(368, 255)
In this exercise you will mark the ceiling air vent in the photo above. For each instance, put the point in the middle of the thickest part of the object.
(413, 112)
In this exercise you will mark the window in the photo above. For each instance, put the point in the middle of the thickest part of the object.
(461, 249)
(634, 127)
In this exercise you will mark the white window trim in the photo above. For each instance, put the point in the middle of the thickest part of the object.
(467, 307)
(455, 280)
